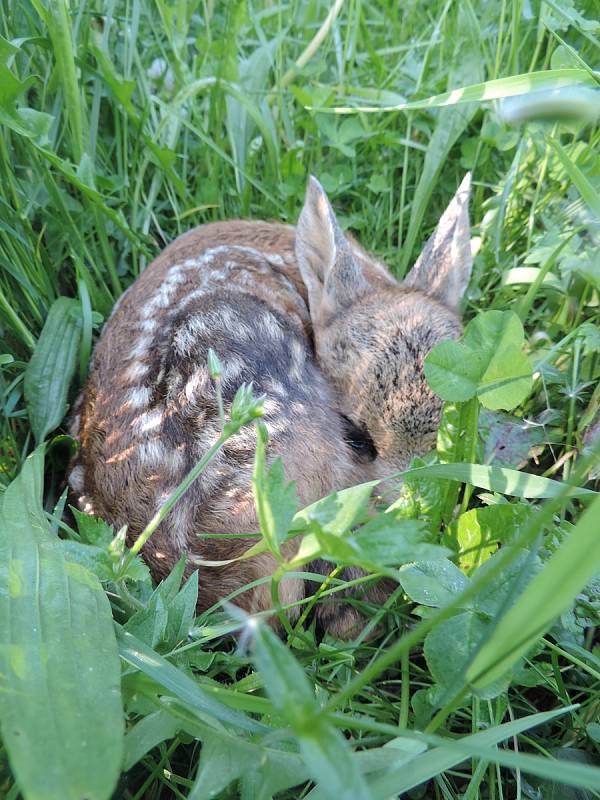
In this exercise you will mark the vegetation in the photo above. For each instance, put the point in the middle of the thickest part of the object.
(126, 122)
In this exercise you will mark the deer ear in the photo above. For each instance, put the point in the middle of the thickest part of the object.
(330, 272)
(444, 267)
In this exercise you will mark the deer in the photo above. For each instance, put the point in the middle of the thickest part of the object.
(322, 329)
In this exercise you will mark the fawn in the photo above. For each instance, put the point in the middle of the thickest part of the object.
(320, 327)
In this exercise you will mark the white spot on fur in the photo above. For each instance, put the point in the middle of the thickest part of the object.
(179, 522)
(148, 324)
(298, 359)
(151, 452)
(232, 368)
(199, 379)
(136, 372)
(176, 275)
(271, 406)
(141, 347)
(163, 296)
(191, 297)
(75, 423)
(276, 387)
(76, 478)
(140, 397)
(148, 422)
(230, 249)
(187, 336)
(276, 426)
(83, 501)
(270, 326)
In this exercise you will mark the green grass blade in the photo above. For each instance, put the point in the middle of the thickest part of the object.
(564, 772)
(450, 124)
(440, 759)
(60, 704)
(550, 593)
(52, 367)
(489, 90)
(58, 20)
(584, 187)
(142, 657)
(498, 479)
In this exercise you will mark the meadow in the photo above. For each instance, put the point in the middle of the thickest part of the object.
(124, 123)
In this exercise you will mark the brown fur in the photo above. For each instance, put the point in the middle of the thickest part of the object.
(318, 326)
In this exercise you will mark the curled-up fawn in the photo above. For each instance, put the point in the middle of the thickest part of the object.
(316, 324)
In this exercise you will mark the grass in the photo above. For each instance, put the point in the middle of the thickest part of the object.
(127, 122)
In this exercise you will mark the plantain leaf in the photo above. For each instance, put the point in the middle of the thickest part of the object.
(60, 699)
(52, 366)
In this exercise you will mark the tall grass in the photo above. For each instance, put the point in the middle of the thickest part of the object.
(125, 123)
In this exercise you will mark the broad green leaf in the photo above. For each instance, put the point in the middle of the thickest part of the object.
(221, 763)
(478, 532)
(182, 610)
(326, 754)
(399, 751)
(52, 366)
(504, 588)
(149, 624)
(487, 362)
(384, 541)
(57, 20)
(507, 440)
(60, 704)
(284, 679)
(92, 530)
(24, 121)
(146, 734)
(338, 512)
(448, 649)
(391, 540)
(433, 583)
(452, 371)
(549, 594)
(419, 499)
(563, 104)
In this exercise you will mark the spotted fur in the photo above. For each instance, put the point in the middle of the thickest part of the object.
(318, 326)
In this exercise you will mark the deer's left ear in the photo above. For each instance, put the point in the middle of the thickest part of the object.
(444, 267)
(331, 274)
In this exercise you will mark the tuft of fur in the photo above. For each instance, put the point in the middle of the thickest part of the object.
(319, 326)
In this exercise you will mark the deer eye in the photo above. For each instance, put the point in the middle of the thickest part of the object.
(359, 440)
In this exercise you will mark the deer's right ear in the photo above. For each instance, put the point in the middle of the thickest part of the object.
(329, 270)
(444, 267)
